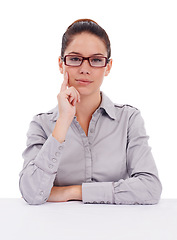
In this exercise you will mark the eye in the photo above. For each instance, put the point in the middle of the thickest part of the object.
(75, 59)
(97, 60)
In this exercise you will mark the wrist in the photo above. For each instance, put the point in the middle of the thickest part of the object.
(60, 130)
(75, 192)
(65, 119)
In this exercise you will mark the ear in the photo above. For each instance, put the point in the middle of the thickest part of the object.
(60, 63)
(108, 68)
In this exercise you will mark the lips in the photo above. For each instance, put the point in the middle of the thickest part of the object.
(84, 81)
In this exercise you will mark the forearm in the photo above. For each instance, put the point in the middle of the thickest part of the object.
(64, 194)
(37, 176)
(61, 128)
(135, 190)
(142, 189)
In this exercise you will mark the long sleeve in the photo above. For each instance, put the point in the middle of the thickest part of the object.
(41, 160)
(143, 185)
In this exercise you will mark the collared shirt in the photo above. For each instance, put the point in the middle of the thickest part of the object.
(114, 163)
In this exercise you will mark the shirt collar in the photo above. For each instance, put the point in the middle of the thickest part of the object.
(106, 104)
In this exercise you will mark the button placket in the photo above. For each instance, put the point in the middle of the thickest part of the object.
(87, 141)
(88, 159)
(93, 121)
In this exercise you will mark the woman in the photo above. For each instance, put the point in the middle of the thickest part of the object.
(88, 148)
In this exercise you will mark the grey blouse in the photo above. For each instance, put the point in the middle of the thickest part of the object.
(113, 163)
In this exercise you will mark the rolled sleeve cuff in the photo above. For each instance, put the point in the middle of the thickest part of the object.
(49, 157)
(98, 192)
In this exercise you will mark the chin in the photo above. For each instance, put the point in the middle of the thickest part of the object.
(87, 92)
(84, 92)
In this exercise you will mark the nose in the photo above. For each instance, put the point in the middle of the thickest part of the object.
(85, 67)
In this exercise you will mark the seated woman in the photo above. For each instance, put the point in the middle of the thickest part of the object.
(88, 148)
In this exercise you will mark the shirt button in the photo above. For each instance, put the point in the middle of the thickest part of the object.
(41, 193)
(91, 130)
(54, 160)
(57, 154)
(50, 166)
(60, 147)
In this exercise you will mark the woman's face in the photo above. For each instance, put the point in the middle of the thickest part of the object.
(85, 45)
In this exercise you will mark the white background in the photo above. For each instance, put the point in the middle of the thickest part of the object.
(144, 51)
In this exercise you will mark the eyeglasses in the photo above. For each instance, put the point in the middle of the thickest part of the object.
(76, 61)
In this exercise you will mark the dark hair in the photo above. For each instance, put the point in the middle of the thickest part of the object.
(85, 25)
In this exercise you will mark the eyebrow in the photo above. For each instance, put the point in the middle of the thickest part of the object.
(95, 54)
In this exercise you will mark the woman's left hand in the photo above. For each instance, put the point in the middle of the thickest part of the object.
(64, 194)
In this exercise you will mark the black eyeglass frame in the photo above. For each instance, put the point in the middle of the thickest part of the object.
(84, 58)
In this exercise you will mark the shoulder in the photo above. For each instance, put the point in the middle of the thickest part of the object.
(125, 110)
(115, 110)
(50, 115)
(126, 107)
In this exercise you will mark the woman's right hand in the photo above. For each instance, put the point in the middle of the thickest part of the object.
(67, 99)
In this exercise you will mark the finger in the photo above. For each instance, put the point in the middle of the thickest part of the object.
(71, 99)
(71, 94)
(74, 102)
(78, 96)
(65, 83)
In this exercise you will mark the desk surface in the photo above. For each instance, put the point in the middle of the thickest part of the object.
(75, 220)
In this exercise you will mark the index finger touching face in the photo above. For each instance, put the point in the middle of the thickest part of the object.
(65, 82)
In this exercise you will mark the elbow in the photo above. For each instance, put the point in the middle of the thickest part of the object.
(32, 200)
(29, 194)
(141, 190)
(157, 193)
(154, 191)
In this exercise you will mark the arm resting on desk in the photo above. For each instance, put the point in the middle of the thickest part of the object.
(135, 190)
(42, 158)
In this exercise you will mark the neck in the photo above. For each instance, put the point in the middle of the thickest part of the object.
(88, 105)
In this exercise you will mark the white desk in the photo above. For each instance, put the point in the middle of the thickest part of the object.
(75, 220)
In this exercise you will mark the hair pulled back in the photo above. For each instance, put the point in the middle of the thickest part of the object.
(85, 25)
